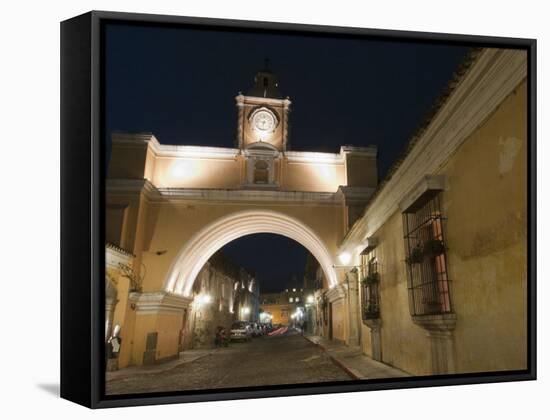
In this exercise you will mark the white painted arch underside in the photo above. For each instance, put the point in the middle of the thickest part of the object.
(198, 250)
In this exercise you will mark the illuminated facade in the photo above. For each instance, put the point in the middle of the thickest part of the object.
(440, 253)
(172, 207)
(426, 271)
(281, 306)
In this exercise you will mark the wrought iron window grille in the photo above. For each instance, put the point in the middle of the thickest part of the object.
(426, 260)
(370, 288)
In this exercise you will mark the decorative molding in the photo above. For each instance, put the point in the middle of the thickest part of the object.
(166, 150)
(114, 256)
(213, 236)
(444, 323)
(135, 186)
(367, 151)
(492, 78)
(297, 197)
(369, 244)
(314, 157)
(255, 100)
(440, 333)
(355, 194)
(336, 293)
(425, 187)
(159, 302)
(132, 186)
(267, 155)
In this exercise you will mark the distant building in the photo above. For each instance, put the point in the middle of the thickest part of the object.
(283, 305)
(247, 297)
(214, 299)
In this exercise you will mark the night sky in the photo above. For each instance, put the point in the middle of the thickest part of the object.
(180, 84)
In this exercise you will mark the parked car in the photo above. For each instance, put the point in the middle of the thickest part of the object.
(256, 331)
(240, 331)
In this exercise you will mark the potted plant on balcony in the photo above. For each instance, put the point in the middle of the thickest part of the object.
(370, 311)
(434, 247)
(415, 255)
(371, 278)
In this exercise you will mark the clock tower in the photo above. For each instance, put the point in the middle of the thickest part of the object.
(263, 115)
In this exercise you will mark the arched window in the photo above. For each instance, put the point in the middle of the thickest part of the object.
(261, 172)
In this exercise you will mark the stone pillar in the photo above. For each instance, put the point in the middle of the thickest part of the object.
(158, 324)
(375, 338)
(338, 314)
(353, 308)
(439, 330)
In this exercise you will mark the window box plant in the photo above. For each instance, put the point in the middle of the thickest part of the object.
(415, 255)
(434, 247)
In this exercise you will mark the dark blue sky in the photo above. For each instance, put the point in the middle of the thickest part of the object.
(180, 84)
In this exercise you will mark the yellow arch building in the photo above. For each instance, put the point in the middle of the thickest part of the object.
(171, 207)
(435, 258)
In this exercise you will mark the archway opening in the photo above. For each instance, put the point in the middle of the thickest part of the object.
(265, 283)
(205, 243)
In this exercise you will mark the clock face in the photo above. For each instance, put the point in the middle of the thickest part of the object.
(264, 121)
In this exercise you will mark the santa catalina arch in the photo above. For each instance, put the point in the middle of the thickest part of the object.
(169, 208)
(212, 237)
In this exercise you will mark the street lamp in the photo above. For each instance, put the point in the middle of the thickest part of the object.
(204, 299)
(345, 258)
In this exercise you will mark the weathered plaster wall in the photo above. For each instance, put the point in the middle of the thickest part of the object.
(404, 344)
(486, 231)
(486, 206)
(339, 320)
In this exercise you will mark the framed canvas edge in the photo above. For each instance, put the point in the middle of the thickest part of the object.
(94, 304)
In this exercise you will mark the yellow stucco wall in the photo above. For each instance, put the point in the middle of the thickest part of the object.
(230, 173)
(280, 312)
(404, 343)
(486, 205)
(323, 177)
(174, 224)
(361, 171)
(486, 231)
(338, 320)
(168, 328)
(171, 172)
(213, 168)
(127, 161)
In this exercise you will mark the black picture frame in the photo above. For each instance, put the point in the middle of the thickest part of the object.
(82, 215)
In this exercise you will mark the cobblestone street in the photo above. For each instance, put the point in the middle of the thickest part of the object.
(284, 359)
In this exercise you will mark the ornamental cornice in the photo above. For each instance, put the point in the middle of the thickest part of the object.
(426, 184)
(168, 150)
(254, 100)
(132, 186)
(114, 256)
(355, 194)
(314, 157)
(159, 302)
(296, 197)
(366, 151)
(336, 293)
